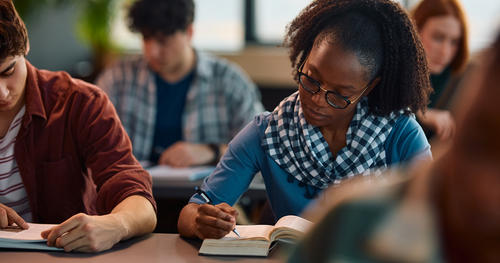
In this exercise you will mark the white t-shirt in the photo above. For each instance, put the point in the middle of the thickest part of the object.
(12, 191)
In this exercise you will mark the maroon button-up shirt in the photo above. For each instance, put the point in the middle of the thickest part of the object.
(72, 152)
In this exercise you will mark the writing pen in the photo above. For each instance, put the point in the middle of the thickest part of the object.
(209, 201)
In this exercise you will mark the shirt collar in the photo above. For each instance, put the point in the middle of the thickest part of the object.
(204, 64)
(33, 96)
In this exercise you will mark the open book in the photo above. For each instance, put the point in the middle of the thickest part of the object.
(15, 237)
(256, 240)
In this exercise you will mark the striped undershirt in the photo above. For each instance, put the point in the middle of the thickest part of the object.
(12, 191)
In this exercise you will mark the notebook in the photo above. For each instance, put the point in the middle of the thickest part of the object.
(15, 237)
(190, 173)
(256, 240)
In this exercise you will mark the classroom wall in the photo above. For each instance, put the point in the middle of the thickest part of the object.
(270, 68)
(54, 44)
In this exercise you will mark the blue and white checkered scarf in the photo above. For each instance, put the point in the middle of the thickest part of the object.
(300, 148)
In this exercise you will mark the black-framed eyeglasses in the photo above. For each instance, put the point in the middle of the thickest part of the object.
(332, 97)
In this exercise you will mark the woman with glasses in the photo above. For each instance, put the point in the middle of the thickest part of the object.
(440, 211)
(361, 74)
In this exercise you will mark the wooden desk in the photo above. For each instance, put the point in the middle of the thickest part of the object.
(151, 248)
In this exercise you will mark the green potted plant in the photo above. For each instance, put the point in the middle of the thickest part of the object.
(93, 23)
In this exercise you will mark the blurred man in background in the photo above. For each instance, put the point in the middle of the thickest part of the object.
(179, 106)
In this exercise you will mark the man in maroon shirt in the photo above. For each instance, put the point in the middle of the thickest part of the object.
(73, 156)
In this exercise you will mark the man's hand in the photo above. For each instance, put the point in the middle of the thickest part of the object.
(86, 233)
(214, 221)
(183, 154)
(8, 217)
(133, 216)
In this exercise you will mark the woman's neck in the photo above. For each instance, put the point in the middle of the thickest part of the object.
(335, 135)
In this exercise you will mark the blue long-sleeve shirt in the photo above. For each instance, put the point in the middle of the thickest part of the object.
(245, 157)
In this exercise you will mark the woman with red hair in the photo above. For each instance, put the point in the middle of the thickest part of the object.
(442, 27)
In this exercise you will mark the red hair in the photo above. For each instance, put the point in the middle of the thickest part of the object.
(427, 9)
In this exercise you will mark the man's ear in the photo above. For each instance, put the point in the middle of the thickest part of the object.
(27, 47)
(190, 32)
(373, 84)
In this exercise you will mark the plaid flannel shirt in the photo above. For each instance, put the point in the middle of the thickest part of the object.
(221, 100)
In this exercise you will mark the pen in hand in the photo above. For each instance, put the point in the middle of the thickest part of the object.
(209, 201)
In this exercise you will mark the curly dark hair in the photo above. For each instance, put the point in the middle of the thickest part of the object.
(13, 34)
(384, 39)
(160, 17)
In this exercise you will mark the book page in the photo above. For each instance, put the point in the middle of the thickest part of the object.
(294, 222)
(234, 247)
(290, 227)
(16, 234)
(251, 232)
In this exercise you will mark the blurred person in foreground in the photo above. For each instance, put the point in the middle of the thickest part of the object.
(446, 210)
(180, 106)
(443, 28)
(64, 156)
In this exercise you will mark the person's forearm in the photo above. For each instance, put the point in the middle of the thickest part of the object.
(223, 149)
(185, 224)
(137, 216)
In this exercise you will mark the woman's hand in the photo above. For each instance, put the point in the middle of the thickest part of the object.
(207, 221)
(8, 217)
(86, 233)
(440, 122)
(215, 221)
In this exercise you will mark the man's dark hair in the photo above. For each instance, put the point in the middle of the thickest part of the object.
(381, 35)
(13, 34)
(160, 17)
